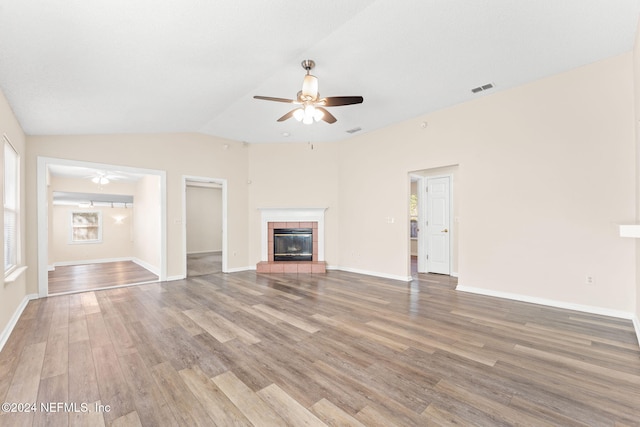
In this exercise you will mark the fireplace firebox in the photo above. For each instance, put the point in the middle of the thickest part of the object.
(293, 244)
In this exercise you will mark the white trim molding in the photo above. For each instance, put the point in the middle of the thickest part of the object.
(4, 336)
(636, 326)
(551, 303)
(43, 212)
(372, 273)
(558, 304)
(291, 215)
(90, 261)
(630, 230)
(152, 268)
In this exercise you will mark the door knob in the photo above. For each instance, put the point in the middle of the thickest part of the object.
(445, 231)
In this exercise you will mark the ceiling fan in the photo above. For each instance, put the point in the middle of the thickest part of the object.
(104, 177)
(311, 105)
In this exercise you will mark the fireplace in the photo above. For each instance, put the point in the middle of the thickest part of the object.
(305, 226)
(293, 244)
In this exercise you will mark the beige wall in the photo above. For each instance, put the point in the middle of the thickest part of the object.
(636, 81)
(117, 238)
(295, 176)
(14, 293)
(547, 172)
(204, 219)
(178, 155)
(147, 223)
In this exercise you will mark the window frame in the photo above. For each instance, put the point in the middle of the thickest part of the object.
(73, 226)
(16, 258)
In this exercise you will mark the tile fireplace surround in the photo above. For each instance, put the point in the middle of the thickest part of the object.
(292, 218)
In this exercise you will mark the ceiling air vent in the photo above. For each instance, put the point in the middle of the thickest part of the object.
(354, 130)
(482, 88)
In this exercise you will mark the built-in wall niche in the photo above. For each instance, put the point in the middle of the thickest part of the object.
(90, 200)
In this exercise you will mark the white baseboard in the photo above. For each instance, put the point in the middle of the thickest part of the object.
(239, 269)
(152, 268)
(138, 261)
(14, 319)
(636, 326)
(454, 274)
(89, 261)
(551, 303)
(204, 252)
(371, 273)
(174, 278)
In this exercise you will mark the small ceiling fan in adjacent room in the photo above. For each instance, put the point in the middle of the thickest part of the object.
(311, 105)
(104, 177)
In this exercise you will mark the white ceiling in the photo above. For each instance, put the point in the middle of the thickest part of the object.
(138, 66)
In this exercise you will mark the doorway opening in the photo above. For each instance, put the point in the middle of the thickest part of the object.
(432, 221)
(88, 235)
(205, 225)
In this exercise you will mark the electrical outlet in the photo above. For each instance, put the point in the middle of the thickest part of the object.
(589, 280)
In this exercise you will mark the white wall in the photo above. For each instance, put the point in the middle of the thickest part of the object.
(204, 219)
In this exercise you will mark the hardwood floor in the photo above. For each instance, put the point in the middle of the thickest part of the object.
(201, 264)
(334, 349)
(74, 278)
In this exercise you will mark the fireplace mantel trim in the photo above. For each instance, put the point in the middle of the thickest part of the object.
(292, 215)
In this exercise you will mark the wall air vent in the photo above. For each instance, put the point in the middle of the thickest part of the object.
(482, 88)
(354, 130)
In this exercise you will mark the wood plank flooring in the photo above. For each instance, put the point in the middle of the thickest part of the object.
(339, 349)
(204, 263)
(82, 277)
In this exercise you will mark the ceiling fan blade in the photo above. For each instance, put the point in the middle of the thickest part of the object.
(270, 98)
(287, 116)
(327, 117)
(334, 101)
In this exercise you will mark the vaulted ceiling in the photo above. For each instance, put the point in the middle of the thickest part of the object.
(148, 66)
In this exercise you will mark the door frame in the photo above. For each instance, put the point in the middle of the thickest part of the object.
(42, 203)
(205, 180)
(423, 249)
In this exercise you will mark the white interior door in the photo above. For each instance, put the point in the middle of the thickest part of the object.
(438, 225)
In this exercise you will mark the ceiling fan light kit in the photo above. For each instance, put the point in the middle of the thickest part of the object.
(311, 105)
(102, 180)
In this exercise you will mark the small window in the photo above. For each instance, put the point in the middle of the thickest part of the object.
(11, 207)
(86, 227)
